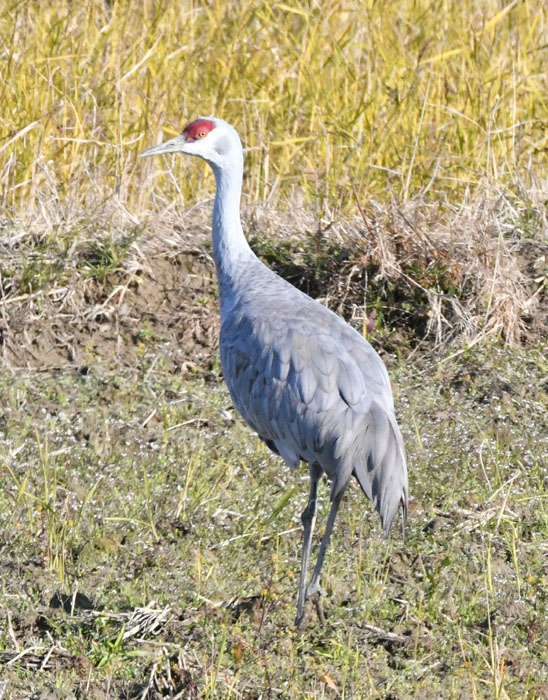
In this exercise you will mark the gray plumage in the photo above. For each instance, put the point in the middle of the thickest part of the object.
(311, 386)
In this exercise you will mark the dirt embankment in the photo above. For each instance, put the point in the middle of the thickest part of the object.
(169, 305)
(409, 274)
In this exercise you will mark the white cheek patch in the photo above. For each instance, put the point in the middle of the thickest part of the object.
(222, 145)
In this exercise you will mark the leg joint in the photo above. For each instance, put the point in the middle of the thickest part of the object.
(309, 513)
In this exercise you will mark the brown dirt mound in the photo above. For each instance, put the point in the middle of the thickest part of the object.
(169, 304)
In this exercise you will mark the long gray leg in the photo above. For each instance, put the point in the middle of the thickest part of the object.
(314, 589)
(308, 518)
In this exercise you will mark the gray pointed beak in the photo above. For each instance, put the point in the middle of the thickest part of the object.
(171, 146)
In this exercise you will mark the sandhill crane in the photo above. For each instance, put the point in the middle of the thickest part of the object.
(312, 387)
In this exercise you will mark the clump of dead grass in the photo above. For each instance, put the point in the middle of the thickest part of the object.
(457, 273)
(476, 263)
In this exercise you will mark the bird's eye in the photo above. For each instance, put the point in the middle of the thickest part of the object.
(202, 133)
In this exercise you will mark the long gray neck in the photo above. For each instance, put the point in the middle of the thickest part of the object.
(230, 248)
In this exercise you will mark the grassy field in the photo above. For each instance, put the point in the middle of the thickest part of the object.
(396, 160)
(151, 543)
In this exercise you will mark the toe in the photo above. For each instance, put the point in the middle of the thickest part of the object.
(314, 589)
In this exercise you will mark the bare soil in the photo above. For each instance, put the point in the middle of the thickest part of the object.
(171, 303)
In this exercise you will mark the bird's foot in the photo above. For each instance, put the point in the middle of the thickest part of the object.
(318, 604)
(317, 600)
(300, 620)
(314, 589)
(314, 594)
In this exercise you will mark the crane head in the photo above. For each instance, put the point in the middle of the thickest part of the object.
(209, 138)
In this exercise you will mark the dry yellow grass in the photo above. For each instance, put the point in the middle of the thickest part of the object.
(402, 98)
